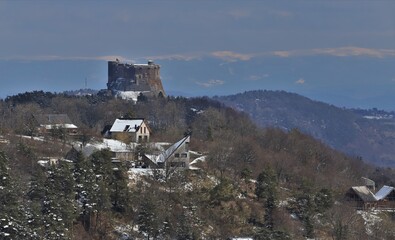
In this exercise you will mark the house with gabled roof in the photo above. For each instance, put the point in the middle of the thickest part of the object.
(130, 129)
(361, 197)
(176, 156)
(386, 197)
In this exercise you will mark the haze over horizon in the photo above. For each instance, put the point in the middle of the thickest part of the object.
(339, 52)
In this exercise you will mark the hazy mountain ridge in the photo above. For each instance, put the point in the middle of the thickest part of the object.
(369, 134)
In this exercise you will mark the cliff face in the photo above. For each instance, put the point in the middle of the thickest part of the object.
(135, 77)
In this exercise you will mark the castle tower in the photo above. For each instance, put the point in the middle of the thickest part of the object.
(135, 77)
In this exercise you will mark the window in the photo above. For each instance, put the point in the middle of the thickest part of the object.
(184, 155)
(177, 155)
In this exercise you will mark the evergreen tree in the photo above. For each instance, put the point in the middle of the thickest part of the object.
(266, 189)
(120, 193)
(306, 211)
(11, 218)
(58, 203)
(148, 218)
(35, 194)
(86, 189)
(102, 165)
(103, 170)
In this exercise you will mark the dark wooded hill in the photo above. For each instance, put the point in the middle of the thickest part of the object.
(369, 134)
(250, 182)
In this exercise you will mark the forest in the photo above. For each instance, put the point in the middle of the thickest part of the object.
(261, 183)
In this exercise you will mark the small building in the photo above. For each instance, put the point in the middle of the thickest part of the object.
(361, 198)
(130, 130)
(386, 198)
(49, 122)
(177, 156)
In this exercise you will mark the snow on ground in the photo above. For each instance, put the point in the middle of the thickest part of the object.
(136, 174)
(161, 146)
(371, 219)
(129, 95)
(113, 145)
(199, 159)
(197, 111)
(196, 153)
(30, 137)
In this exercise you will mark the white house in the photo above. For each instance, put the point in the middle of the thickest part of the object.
(175, 157)
(134, 130)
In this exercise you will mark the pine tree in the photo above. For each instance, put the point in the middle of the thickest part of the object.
(148, 219)
(102, 165)
(120, 193)
(266, 189)
(58, 203)
(12, 219)
(35, 194)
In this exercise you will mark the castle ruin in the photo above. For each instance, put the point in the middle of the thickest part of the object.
(144, 78)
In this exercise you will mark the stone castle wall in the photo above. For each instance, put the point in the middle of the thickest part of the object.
(135, 77)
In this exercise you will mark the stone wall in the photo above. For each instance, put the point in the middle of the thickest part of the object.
(135, 77)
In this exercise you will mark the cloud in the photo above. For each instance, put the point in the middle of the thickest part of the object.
(338, 52)
(258, 77)
(178, 57)
(282, 53)
(356, 51)
(72, 58)
(230, 56)
(301, 81)
(211, 83)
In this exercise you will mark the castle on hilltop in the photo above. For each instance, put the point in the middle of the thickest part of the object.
(141, 78)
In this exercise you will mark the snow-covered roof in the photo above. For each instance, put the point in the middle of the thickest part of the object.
(364, 193)
(383, 192)
(111, 144)
(50, 121)
(166, 154)
(54, 126)
(126, 125)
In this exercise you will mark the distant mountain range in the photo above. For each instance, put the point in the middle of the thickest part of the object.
(369, 134)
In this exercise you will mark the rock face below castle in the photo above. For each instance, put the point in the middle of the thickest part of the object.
(141, 78)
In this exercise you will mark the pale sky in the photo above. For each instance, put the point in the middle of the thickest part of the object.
(292, 37)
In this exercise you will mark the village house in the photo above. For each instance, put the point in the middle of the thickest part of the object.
(47, 122)
(386, 198)
(360, 197)
(176, 156)
(130, 130)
